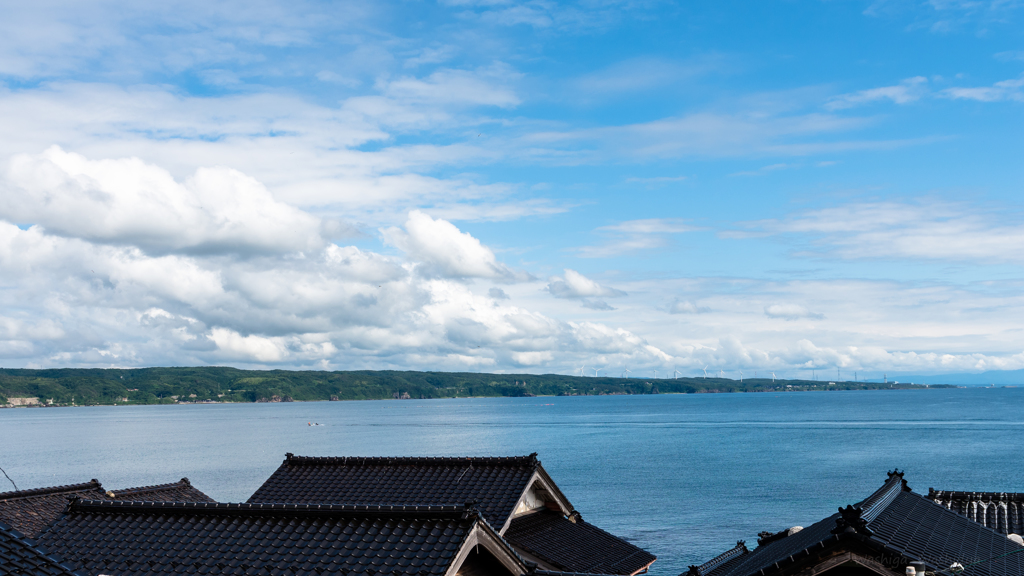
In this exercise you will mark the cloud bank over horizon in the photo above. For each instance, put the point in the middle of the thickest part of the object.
(446, 187)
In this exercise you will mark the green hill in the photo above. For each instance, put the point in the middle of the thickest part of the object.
(75, 386)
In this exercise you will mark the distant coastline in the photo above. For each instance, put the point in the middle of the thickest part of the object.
(139, 386)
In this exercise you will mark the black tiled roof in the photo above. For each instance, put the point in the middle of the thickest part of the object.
(494, 484)
(574, 545)
(180, 491)
(1000, 511)
(254, 539)
(20, 557)
(897, 524)
(31, 511)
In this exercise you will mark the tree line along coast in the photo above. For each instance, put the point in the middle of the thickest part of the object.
(96, 386)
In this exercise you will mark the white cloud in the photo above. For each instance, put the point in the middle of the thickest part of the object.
(456, 87)
(686, 307)
(909, 90)
(443, 250)
(431, 55)
(923, 229)
(1006, 90)
(129, 202)
(633, 235)
(789, 312)
(651, 226)
(247, 348)
(754, 132)
(948, 16)
(640, 75)
(575, 285)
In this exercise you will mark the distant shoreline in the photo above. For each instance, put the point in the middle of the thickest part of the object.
(220, 385)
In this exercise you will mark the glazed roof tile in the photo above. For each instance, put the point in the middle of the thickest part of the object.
(892, 521)
(254, 539)
(180, 491)
(20, 557)
(31, 511)
(493, 484)
(574, 545)
(1000, 511)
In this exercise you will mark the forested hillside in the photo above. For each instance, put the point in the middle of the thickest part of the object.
(67, 386)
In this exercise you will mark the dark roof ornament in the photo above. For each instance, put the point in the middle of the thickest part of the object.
(470, 510)
(896, 473)
(851, 522)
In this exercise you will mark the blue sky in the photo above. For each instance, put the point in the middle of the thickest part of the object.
(514, 186)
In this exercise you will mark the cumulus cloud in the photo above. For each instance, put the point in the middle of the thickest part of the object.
(790, 312)
(572, 284)
(443, 250)
(129, 202)
(109, 302)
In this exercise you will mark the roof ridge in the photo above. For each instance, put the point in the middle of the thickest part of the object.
(734, 552)
(94, 483)
(873, 505)
(529, 460)
(155, 487)
(121, 507)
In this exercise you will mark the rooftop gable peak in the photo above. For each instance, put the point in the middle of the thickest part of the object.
(855, 518)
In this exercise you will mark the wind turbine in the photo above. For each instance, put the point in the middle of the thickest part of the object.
(741, 376)
(655, 374)
(627, 372)
(581, 370)
(596, 370)
(721, 373)
(773, 377)
(705, 372)
(676, 373)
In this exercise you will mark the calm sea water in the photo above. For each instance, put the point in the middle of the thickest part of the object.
(683, 476)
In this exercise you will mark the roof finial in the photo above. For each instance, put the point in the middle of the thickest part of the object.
(851, 522)
(896, 473)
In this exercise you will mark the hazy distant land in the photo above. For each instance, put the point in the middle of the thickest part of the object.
(74, 386)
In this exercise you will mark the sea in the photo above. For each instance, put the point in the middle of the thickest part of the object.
(683, 476)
